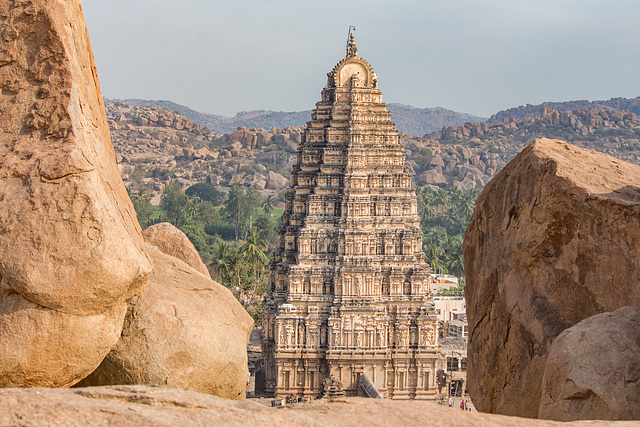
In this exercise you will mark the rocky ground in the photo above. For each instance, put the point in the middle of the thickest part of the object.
(165, 406)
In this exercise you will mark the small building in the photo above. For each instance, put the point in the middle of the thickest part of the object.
(443, 281)
(449, 308)
(454, 364)
(458, 329)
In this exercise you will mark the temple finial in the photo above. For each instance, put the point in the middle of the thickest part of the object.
(352, 49)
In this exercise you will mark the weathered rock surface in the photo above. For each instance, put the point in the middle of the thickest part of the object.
(71, 250)
(185, 330)
(165, 406)
(276, 181)
(174, 242)
(431, 177)
(554, 239)
(593, 370)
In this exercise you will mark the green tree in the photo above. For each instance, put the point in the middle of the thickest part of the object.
(142, 205)
(253, 200)
(174, 204)
(223, 262)
(267, 225)
(269, 204)
(444, 217)
(240, 209)
(253, 252)
(205, 193)
(234, 208)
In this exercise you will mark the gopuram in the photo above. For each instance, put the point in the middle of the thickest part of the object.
(349, 289)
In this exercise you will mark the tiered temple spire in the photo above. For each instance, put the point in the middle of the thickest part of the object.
(349, 289)
(352, 49)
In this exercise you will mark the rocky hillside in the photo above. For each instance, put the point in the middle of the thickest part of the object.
(410, 120)
(468, 156)
(529, 110)
(156, 146)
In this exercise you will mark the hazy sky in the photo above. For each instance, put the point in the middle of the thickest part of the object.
(473, 56)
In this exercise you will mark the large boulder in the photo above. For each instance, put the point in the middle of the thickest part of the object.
(174, 242)
(593, 370)
(71, 250)
(554, 239)
(431, 177)
(185, 330)
(275, 181)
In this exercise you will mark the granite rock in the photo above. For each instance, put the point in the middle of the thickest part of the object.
(554, 239)
(174, 242)
(185, 330)
(165, 406)
(71, 249)
(593, 370)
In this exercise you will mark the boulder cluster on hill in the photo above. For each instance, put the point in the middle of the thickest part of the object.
(155, 147)
(583, 122)
(632, 104)
(152, 152)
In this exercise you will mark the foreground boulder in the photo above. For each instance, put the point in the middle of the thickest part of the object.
(593, 370)
(163, 406)
(554, 239)
(71, 250)
(186, 331)
(174, 242)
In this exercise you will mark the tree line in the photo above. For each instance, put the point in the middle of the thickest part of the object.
(235, 232)
(444, 216)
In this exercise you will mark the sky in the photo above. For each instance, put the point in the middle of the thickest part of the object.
(471, 56)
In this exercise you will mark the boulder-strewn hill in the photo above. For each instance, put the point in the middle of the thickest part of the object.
(410, 120)
(468, 156)
(156, 146)
(529, 110)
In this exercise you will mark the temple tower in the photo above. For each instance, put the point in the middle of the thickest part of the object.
(349, 289)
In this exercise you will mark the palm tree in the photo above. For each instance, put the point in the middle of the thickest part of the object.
(268, 205)
(253, 251)
(454, 260)
(435, 255)
(468, 203)
(455, 265)
(443, 199)
(223, 260)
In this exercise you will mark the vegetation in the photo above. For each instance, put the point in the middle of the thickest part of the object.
(444, 217)
(236, 238)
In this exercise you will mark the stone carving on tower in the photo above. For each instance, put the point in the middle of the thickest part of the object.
(349, 288)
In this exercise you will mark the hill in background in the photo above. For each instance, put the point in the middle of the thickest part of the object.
(408, 119)
(533, 111)
(156, 146)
